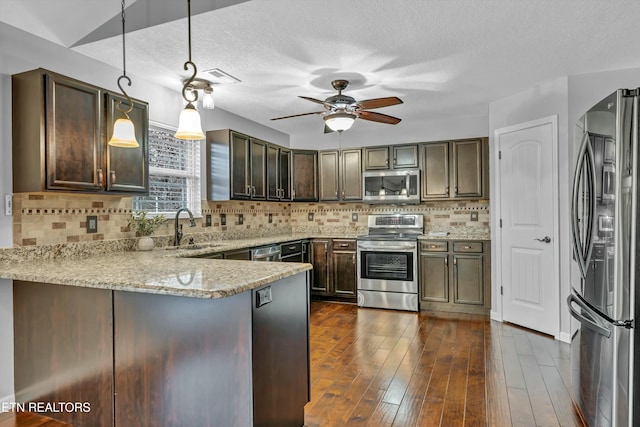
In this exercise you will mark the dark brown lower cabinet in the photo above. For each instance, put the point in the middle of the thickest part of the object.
(151, 360)
(334, 269)
(455, 276)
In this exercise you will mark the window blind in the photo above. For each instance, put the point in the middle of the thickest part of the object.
(174, 174)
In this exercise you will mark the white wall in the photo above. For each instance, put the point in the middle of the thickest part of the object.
(543, 100)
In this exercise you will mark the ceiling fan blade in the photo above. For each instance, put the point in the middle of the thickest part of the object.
(369, 104)
(377, 117)
(317, 101)
(298, 115)
(327, 129)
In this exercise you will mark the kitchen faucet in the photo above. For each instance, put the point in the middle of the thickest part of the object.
(177, 237)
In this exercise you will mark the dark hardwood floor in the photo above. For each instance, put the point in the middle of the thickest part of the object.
(389, 368)
(27, 419)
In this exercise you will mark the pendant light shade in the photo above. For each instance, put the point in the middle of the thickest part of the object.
(124, 133)
(189, 125)
(339, 122)
(207, 98)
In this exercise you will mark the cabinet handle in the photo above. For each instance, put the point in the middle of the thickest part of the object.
(113, 177)
(395, 161)
(344, 245)
(100, 177)
(253, 190)
(446, 261)
(291, 248)
(336, 193)
(343, 194)
(455, 262)
(467, 247)
(433, 246)
(248, 190)
(456, 190)
(293, 193)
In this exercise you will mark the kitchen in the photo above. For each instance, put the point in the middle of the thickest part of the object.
(566, 94)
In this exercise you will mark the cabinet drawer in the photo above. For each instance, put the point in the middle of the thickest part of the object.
(434, 246)
(474, 247)
(290, 248)
(344, 245)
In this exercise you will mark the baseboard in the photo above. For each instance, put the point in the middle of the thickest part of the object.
(565, 337)
(496, 316)
(8, 399)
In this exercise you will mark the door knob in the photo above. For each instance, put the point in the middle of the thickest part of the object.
(546, 239)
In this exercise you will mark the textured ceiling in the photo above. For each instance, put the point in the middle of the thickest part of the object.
(442, 58)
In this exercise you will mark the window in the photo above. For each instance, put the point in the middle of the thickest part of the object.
(174, 174)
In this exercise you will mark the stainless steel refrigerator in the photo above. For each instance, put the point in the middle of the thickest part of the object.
(605, 264)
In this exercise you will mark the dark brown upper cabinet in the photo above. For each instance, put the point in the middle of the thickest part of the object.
(304, 174)
(455, 169)
(60, 131)
(391, 157)
(278, 173)
(236, 166)
(128, 168)
(340, 175)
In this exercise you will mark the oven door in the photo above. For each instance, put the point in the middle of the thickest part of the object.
(387, 266)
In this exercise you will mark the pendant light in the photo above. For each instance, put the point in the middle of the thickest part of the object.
(124, 133)
(189, 125)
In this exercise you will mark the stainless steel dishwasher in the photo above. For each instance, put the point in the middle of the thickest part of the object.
(266, 253)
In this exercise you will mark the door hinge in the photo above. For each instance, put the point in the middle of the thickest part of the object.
(500, 222)
(499, 155)
(501, 290)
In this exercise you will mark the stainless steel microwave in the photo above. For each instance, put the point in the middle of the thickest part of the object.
(393, 186)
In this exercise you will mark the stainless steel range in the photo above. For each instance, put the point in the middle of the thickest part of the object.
(388, 262)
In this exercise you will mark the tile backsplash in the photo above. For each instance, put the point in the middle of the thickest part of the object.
(54, 218)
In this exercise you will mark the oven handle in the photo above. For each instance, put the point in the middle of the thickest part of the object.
(387, 248)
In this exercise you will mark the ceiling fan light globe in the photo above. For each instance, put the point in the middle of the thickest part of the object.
(124, 134)
(189, 125)
(339, 122)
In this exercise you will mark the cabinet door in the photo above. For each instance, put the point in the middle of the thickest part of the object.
(257, 171)
(273, 181)
(376, 158)
(344, 273)
(405, 156)
(328, 177)
(320, 260)
(351, 174)
(434, 274)
(435, 171)
(284, 174)
(73, 135)
(467, 168)
(128, 168)
(304, 171)
(468, 286)
(239, 166)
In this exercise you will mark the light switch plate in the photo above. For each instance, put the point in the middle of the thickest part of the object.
(474, 216)
(92, 224)
(8, 204)
(270, 218)
(240, 219)
(354, 217)
(223, 219)
(310, 216)
(207, 221)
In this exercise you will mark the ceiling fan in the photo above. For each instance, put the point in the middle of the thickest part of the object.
(340, 111)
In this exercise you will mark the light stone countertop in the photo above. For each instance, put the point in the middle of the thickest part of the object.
(154, 272)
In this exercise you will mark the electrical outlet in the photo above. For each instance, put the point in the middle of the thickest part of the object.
(92, 224)
(354, 217)
(310, 216)
(270, 218)
(207, 221)
(223, 219)
(240, 219)
(474, 216)
(8, 204)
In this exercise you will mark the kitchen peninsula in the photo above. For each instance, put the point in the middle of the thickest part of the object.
(156, 339)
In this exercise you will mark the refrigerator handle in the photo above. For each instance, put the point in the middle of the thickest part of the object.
(583, 253)
(587, 318)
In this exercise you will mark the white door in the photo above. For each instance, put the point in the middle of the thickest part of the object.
(527, 179)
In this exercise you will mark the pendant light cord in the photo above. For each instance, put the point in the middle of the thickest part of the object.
(124, 76)
(187, 84)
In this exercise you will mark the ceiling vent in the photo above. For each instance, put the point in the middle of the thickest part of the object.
(217, 76)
